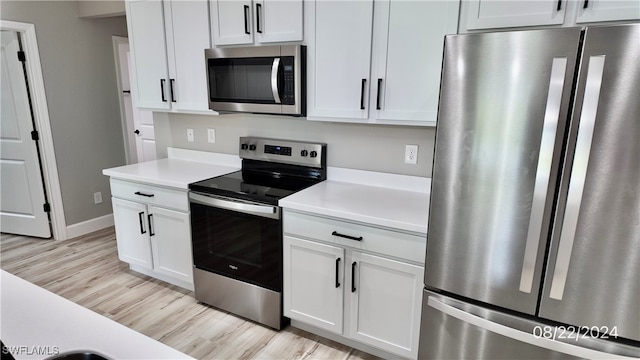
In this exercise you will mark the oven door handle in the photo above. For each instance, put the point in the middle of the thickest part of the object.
(267, 211)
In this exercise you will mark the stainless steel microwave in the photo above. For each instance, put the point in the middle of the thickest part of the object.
(260, 79)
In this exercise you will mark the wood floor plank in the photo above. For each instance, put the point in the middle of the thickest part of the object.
(87, 271)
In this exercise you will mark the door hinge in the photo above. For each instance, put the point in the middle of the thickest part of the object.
(47, 207)
(21, 56)
(35, 136)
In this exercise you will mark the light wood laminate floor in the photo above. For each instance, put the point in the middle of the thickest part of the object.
(87, 271)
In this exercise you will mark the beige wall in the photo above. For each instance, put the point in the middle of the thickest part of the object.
(80, 83)
(357, 146)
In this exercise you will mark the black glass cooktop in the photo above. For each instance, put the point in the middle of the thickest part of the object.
(254, 186)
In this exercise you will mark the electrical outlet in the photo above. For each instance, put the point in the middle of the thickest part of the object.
(211, 135)
(97, 197)
(411, 154)
(190, 135)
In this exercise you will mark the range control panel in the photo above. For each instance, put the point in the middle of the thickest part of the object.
(283, 151)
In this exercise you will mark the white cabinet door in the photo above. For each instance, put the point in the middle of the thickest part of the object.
(339, 59)
(170, 233)
(313, 283)
(487, 14)
(607, 10)
(145, 21)
(231, 22)
(132, 232)
(278, 20)
(385, 303)
(407, 58)
(188, 35)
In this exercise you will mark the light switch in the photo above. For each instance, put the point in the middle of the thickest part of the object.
(211, 135)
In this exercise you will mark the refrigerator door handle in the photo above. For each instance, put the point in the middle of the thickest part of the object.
(525, 337)
(550, 125)
(578, 175)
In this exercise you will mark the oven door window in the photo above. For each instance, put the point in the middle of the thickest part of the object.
(244, 80)
(241, 246)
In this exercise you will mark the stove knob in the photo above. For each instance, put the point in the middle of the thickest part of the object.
(304, 153)
(252, 147)
(244, 146)
(313, 154)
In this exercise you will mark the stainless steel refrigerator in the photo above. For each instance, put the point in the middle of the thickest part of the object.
(533, 244)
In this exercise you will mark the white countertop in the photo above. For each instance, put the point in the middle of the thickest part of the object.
(179, 170)
(40, 324)
(386, 204)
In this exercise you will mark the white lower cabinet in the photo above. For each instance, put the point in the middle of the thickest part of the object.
(153, 231)
(333, 284)
(313, 283)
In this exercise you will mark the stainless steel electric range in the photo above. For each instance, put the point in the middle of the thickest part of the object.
(236, 226)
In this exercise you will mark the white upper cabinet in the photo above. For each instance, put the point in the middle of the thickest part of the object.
(167, 40)
(407, 59)
(486, 14)
(493, 14)
(607, 10)
(145, 21)
(236, 22)
(377, 61)
(339, 59)
(188, 36)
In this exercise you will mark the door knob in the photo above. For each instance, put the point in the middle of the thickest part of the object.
(137, 132)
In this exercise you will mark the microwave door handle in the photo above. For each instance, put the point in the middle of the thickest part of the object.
(274, 80)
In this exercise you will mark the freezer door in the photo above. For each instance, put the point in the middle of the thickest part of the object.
(503, 108)
(593, 277)
(451, 329)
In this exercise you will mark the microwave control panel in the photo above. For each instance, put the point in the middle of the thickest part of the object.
(288, 90)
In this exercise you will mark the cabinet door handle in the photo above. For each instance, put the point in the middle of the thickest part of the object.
(143, 194)
(142, 230)
(337, 272)
(258, 13)
(149, 217)
(559, 5)
(171, 85)
(353, 277)
(378, 95)
(586, 4)
(335, 233)
(246, 20)
(364, 84)
(164, 99)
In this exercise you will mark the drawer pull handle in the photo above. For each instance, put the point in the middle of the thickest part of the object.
(143, 194)
(335, 233)
(337, 271)
(353, 276)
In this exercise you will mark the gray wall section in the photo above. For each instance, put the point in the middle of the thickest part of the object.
(80, 83)
(357, 146)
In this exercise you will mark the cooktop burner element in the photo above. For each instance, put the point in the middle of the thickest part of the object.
(271, 170)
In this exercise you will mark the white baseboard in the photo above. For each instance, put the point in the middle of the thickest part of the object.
(89, 226)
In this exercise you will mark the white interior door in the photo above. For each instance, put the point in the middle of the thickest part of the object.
(139, 133)
(22, 189)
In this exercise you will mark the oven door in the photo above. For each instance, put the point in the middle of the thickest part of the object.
(238, 239)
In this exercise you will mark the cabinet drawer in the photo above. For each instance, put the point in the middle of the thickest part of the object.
(149, 194)
(387, 242)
